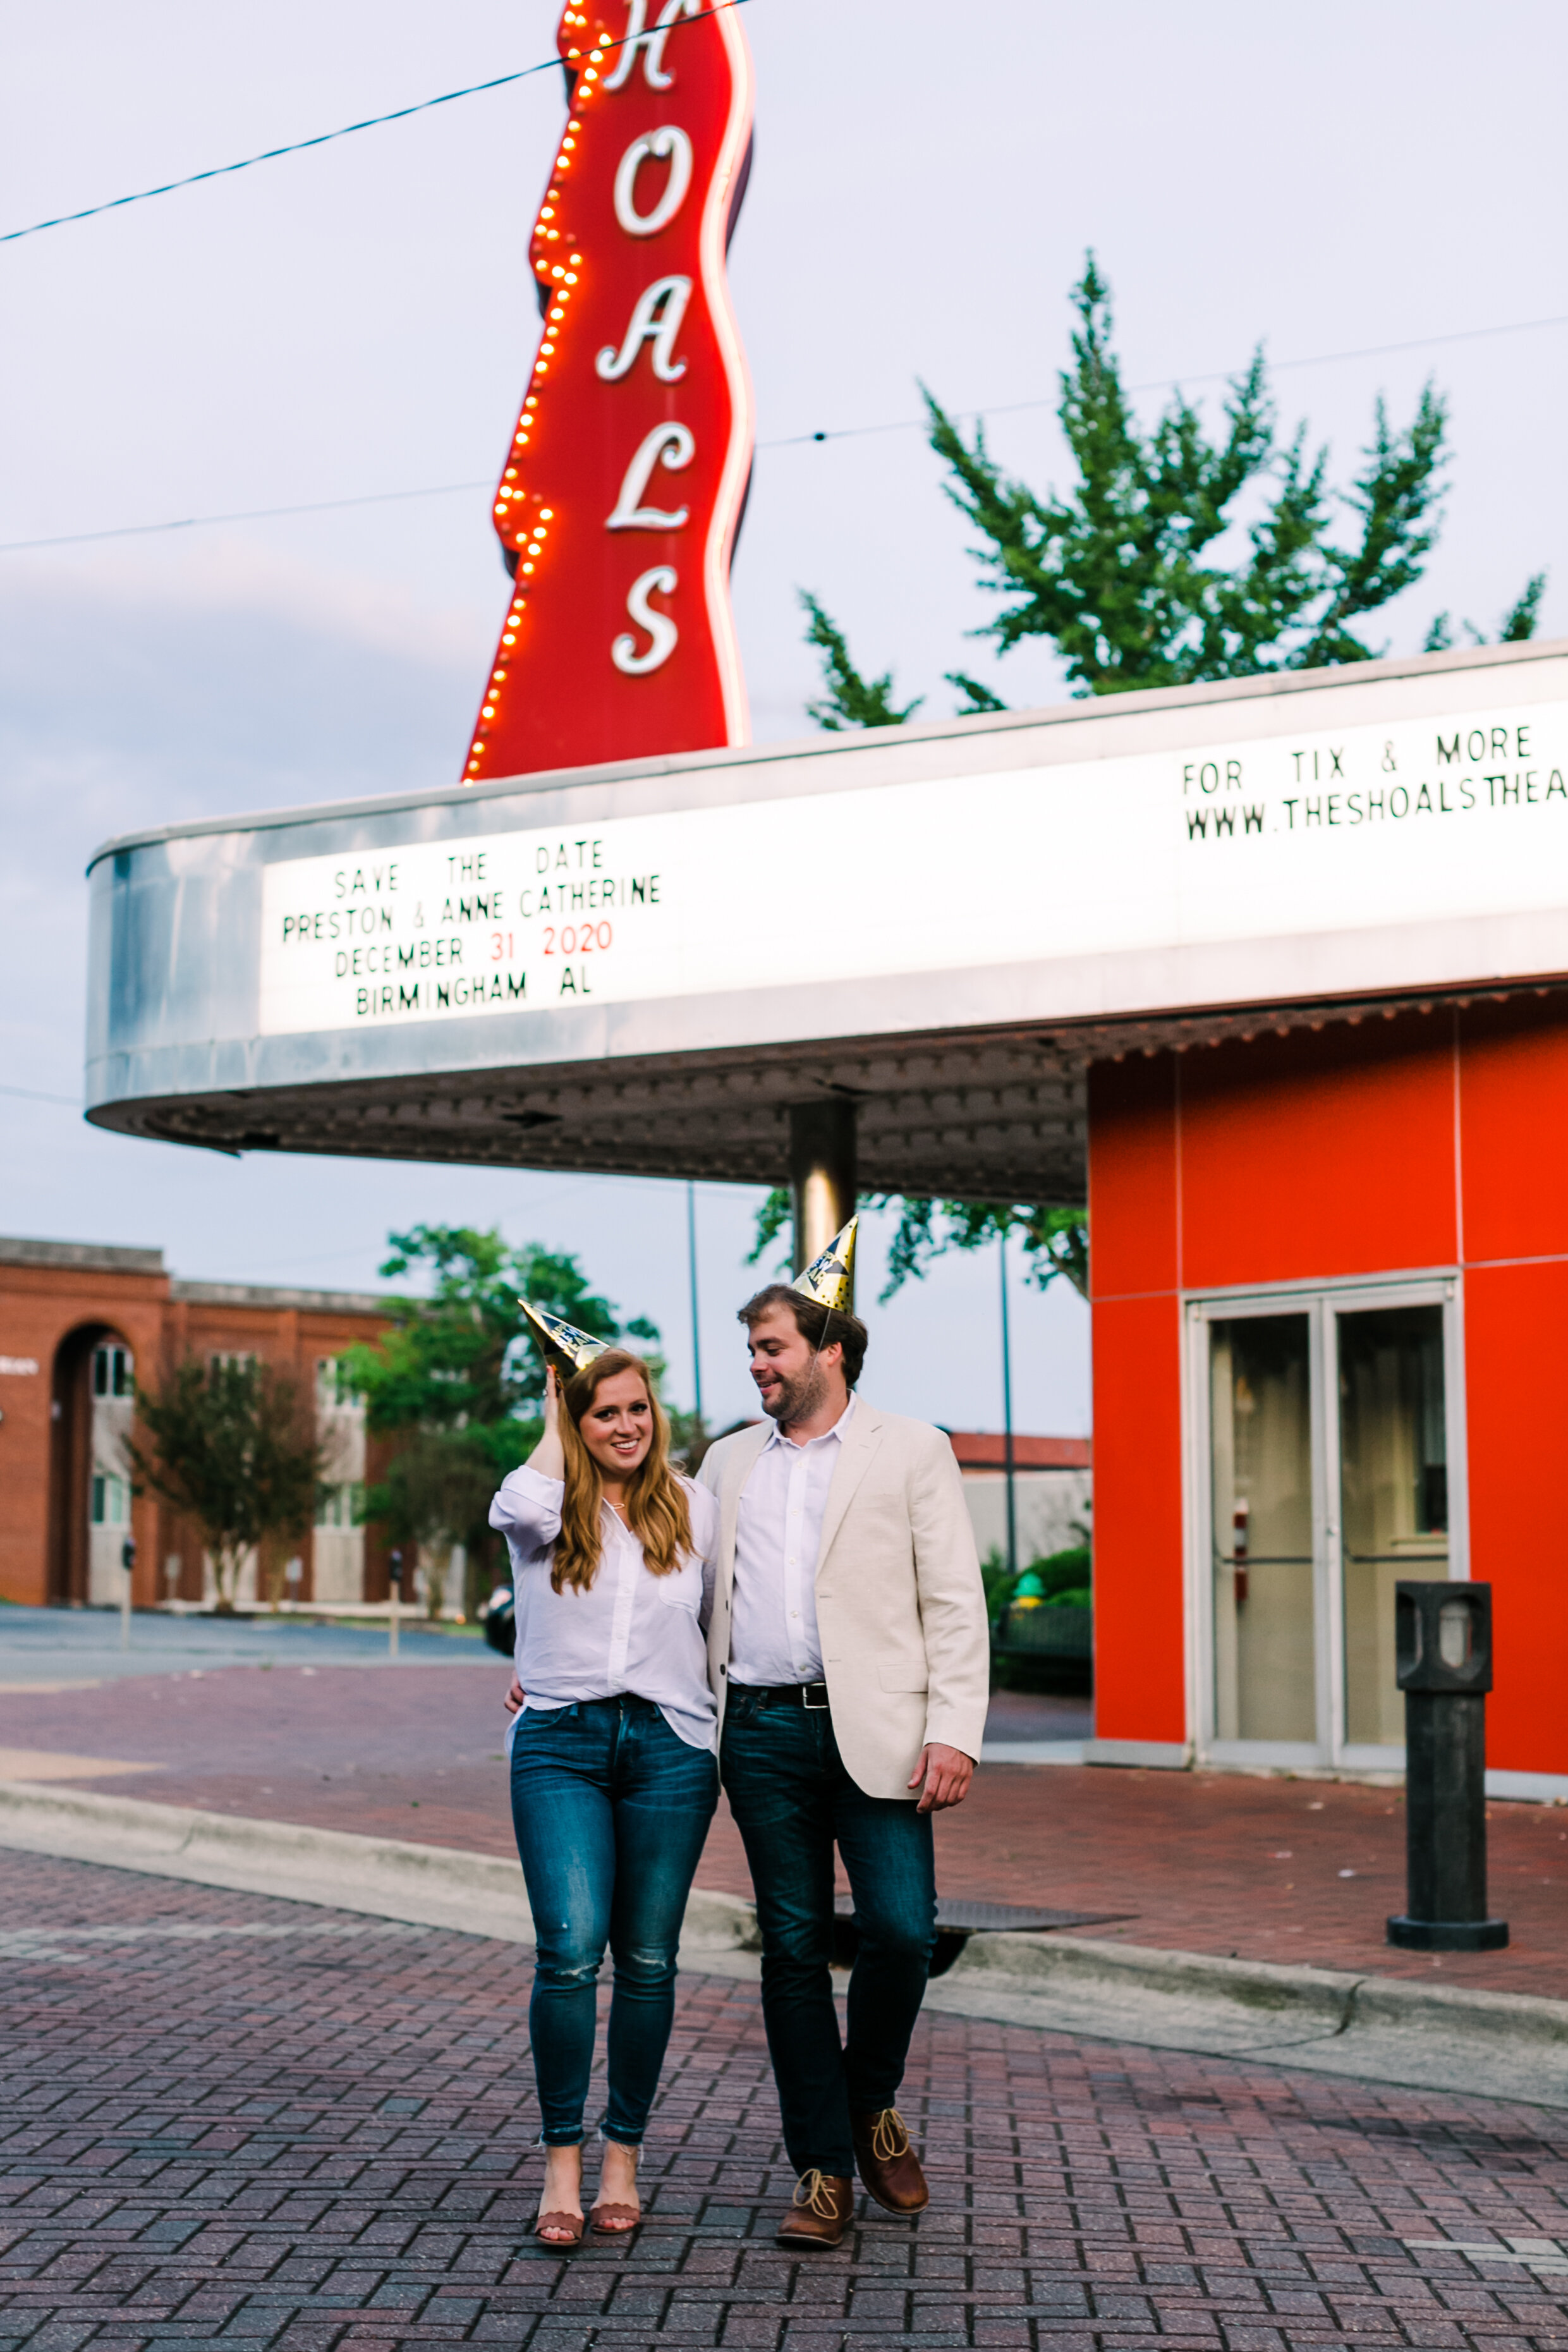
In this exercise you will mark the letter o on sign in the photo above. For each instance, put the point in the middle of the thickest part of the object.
(654, 146)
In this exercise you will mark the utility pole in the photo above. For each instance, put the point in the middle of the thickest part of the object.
(1007, 1411)
(692, 1267)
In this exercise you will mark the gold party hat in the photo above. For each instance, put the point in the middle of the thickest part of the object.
(562, 1344)
(831, 1278)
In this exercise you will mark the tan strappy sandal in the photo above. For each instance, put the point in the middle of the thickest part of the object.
(612, 2220)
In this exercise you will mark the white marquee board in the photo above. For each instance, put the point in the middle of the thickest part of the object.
(1460, 814)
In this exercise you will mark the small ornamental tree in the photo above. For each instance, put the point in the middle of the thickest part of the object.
(231, 1447)
(1172, 558)
(457, 1384)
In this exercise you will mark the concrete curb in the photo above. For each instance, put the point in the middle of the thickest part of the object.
(1382, 2029)
(388, 1878)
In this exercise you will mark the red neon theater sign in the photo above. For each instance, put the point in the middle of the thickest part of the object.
(627, 473)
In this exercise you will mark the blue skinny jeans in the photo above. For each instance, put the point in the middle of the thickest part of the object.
(610, 1810)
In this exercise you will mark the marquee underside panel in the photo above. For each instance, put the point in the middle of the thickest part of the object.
(975, 1116)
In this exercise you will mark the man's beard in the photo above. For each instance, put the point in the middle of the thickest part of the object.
(796, 1399)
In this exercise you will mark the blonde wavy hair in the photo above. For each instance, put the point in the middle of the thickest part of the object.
(656, 1508)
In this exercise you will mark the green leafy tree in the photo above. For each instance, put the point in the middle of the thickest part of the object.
(1518, 623)
(1174, 557)
(851, 701)
(436, 1494)
(231, 1445)
(458, 1385)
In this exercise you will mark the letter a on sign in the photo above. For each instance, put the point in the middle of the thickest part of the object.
(623, 486)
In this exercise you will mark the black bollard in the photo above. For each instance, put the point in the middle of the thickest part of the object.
(1443, 1662)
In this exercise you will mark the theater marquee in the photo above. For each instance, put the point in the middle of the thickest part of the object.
(640, 967)
(1401, 821)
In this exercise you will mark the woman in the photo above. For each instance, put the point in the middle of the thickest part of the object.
(614, 1774)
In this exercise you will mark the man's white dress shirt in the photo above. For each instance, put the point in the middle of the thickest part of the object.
(773, 1633)
(630, 1631)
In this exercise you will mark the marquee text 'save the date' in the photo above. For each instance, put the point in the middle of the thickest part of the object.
(464, 945)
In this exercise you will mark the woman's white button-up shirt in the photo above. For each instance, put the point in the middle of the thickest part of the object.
(630, 1631)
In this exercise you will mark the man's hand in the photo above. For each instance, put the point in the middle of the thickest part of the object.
(947, 1772)
(516, 1695)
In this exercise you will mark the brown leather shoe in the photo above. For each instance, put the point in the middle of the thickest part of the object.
(888, 2165)
(823, 2211)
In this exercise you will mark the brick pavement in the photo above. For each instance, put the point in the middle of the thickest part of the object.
(1204, 1862)
(231, 2121)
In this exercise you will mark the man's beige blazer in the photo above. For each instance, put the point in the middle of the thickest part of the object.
(900, 1606)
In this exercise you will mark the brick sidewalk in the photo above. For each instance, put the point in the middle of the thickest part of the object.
(1268, 1869)
(227, 2121)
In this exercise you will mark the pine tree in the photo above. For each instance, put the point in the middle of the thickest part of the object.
(1125, 576)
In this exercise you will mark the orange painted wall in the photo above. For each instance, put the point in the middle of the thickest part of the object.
(1383, 1147)
(1516, 1334)
(1139, 1671)
(1139, 1677)
(1323, 1152)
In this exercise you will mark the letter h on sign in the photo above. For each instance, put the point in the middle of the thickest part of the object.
(618, 639)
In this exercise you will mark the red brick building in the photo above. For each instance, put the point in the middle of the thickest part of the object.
(79, 1324)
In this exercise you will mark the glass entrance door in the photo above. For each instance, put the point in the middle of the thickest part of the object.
(1265, 1673)
(1394, 1496)
(1323, 1468)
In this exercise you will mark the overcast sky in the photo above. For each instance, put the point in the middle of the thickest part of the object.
(359, 319)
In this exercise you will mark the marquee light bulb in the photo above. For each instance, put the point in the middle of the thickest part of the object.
(508, 639)
(547, 514)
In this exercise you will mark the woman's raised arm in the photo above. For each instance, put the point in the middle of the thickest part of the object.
(549, 1456)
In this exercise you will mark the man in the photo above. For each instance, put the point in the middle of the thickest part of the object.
(849, 1653)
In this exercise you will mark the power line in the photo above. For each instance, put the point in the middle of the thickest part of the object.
(1176, 383)
(324, 138)
(28, 1094)
(240, 514)
(787, 441)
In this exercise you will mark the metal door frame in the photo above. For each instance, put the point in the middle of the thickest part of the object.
(1323, 1303)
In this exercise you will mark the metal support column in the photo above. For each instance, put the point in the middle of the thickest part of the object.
(1007, 1415)
(822, 1172)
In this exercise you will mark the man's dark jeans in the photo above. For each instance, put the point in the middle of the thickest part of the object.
(793, 1799)
(610, 1809)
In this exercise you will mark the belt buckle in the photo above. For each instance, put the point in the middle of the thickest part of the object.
(815, 1705)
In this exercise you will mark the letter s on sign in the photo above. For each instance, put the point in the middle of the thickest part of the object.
(671, 142)
(660, 627)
